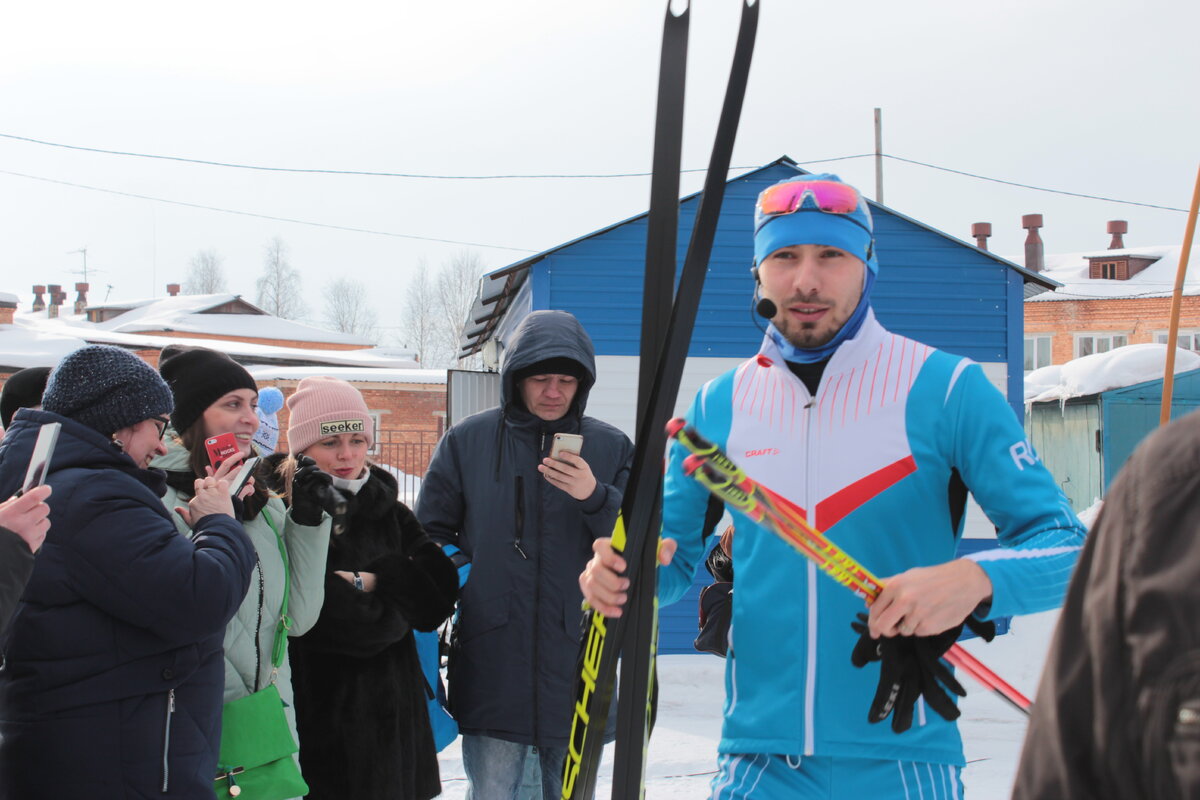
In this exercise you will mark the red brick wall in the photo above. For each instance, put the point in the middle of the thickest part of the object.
(1137, 318)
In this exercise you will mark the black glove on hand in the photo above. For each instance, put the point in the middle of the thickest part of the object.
(312, 493)
(910, 667)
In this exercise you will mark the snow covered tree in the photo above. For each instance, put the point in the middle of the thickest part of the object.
(457, 285)
(347, 309)
(279, 284)
(205, 276)
(418, 324)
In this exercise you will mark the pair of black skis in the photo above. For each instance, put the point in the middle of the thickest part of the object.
(666, 334)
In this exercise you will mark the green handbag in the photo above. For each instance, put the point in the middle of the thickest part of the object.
(257, 760)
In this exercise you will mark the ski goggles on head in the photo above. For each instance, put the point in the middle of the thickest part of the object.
(831, 197)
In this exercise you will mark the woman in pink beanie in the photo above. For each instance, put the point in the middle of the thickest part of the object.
(360, 693)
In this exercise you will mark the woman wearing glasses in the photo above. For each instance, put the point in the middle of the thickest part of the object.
(113, 673)
(215, 395)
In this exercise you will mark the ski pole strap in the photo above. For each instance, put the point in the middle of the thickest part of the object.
(279, 648)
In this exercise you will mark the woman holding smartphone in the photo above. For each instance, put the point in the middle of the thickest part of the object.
(214, 395)
(113, 671)
(360, 693)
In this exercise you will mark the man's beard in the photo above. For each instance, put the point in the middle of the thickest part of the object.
(808, 335)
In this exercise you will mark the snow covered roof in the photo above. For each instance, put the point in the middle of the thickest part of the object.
(43, 342)
(1099, 372)
(193, 314)
(8, 298)
(351, 374)
(1156, 280)
(21, 348)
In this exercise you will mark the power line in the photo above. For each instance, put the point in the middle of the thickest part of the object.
(1035, 188)
(262, 216)
(555, 176)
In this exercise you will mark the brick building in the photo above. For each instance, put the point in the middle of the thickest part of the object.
(1109, 298)
(407, 402)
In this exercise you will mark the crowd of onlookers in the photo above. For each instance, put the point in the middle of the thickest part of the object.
(175, 628)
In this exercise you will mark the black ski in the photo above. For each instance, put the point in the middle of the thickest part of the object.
(641, 506)
(637, 704)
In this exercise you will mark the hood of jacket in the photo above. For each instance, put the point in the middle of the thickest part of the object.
(540, 336)
(78, 446)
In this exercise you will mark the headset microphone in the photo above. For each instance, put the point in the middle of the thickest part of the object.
(764, 307)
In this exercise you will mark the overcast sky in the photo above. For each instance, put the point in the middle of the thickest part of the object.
(1089, 97)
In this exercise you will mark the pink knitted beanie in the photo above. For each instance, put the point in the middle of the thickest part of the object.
(323, 407)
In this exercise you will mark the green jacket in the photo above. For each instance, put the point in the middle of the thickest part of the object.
(307, 549)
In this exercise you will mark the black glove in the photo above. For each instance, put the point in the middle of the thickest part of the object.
(910, 667)
(716, 613)
(312, 493)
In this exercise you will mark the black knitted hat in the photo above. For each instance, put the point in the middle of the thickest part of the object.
(199, 377)
(106, 388)
(23, 389)
(551, 366)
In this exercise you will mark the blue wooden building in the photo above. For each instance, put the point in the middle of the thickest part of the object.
(931, 286)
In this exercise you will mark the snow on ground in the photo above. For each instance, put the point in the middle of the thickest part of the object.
(682, 755)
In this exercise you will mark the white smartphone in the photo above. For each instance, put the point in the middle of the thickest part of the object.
(566, 443)
(39, 462)
(238, 482)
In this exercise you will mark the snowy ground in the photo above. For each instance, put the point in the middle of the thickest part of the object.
(683, 748)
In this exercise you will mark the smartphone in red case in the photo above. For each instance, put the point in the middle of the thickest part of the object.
(220, 447)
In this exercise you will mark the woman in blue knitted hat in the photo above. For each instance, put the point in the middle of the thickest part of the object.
(112, 678)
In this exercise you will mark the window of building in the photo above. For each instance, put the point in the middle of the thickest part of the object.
(1188, 339)
(1108, 270)
(1088, 343)
(1037, 352)
(376, 419)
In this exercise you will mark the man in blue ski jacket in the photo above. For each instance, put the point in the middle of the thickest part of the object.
(878, 438)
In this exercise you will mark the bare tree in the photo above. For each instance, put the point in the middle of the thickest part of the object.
(347, 309)
(436, 309)
(419, 323)
(457, 285)
(205, 275)
(279, 284)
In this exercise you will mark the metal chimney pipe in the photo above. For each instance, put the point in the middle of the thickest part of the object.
(39, 302)
(173, 289)
(81, 298)
(1034, 251)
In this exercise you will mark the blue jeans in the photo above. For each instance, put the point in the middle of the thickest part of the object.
(496, 769)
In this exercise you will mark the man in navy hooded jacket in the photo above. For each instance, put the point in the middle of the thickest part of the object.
(527, 523)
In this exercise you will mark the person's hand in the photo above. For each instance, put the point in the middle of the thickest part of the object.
(928, 600)
(212, 497)
(311, 490)
(910, 667)
(368, 578)
(570, 473)
(604, 587)
(28, 516)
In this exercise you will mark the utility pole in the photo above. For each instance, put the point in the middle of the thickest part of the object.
(879, 156)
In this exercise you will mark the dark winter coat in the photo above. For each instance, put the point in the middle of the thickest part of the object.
(513, 667)
(113, 672)
(360, 693)
(16, 565)
(1118, 709)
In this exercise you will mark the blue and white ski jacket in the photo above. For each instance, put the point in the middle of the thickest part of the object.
(871, 460)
